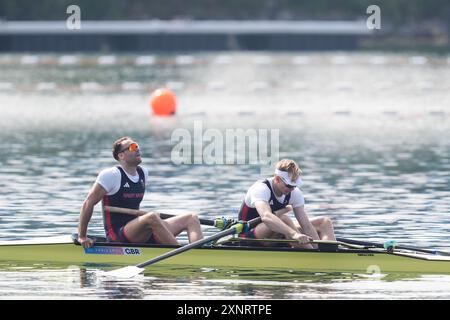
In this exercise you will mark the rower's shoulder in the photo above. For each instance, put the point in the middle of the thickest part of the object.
(297, 197)
(144, 169)
(109, 171)
(146, 172)
(107, 175)
(259, 186)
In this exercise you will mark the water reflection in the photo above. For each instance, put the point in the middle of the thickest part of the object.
(184, 283)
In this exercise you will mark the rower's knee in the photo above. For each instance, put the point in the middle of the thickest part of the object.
(152, 218)
(325, 223)
(193, 219)
(285, 218)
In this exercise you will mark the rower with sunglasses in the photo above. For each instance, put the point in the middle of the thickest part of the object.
(124, 186)
(281, 193)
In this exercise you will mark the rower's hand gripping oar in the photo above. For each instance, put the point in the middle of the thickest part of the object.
(131, 271)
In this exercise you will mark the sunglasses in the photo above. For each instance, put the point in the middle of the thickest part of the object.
(288, 185)
(132, 147)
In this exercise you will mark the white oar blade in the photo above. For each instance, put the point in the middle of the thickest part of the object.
(126, 272)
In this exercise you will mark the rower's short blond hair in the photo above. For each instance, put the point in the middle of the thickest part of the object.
(291, 167)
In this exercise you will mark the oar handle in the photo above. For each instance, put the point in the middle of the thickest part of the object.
(138, 213)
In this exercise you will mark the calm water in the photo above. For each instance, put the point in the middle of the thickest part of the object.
(370, 132)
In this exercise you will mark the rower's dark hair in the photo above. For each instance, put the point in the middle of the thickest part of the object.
(117, 145)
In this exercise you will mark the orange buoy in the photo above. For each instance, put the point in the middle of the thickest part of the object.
(163, 102)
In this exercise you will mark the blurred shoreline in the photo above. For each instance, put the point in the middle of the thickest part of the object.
(181, 35)
(218, 35)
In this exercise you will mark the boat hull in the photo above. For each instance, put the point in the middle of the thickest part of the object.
(345, 260)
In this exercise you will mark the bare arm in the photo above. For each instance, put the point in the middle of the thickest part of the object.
(305, 224)
(95, 196)
(272, 221)
(285, 210)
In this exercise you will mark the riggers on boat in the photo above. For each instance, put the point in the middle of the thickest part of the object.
(65, 251)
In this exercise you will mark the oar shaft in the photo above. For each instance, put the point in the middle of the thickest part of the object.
(379, 245)
(198, 243)
(137, 213)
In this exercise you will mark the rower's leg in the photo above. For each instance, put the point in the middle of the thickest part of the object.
(294, 225)
(188, 222)
(324, 227)
(141, 228)
(262, 231)
(287, 220)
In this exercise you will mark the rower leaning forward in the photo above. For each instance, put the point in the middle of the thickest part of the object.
(277, 193)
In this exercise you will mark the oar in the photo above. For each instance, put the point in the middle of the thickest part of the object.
(392, 244)
(220, 223)
(131, 271)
